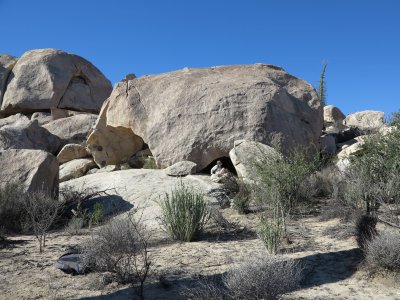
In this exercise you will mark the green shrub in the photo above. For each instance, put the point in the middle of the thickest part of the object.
(150, 163)
(184, 213)
(241, 201)
(365, 230)
(270, 232)
(383, 252)
(97, 215)
(373, 178)
(12, 211)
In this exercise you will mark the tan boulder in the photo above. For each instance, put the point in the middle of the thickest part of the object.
(46, 78)
(197, 114)
(72, 130)
(72, 151)
(75, 168)
(33, 169)
(248, 156)
(367, 121)
(18, 132)
(332, 115)
(7, 62)
(350, 150)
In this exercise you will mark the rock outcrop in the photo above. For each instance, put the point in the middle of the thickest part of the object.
(72, 130)
(18, 132)
(197, 114)
(7, 62)
(34, 169)
(48, 78)
(366, 121)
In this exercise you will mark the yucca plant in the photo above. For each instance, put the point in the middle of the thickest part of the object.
(184, 213)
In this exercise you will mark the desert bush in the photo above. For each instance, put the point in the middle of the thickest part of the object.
(74, 226)
(207, 289)
(241, 201)
(184, 213)
(120, 247)
(41, 210)
(284, 180)
(12, 214)
(150, 163)
(373, 178)
(365, 230)
(270, 232)
(383, 252)
(265, 277)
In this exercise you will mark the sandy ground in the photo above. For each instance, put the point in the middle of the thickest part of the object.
(333, 264)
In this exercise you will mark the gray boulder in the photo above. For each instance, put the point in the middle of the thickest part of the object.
(75, 168)
(34, 169)
(248, 156)
(366, 121)
(18, 132)
(42, 117)
(328, 144)
(197, 114)
(72, 130)
(181, 168)
(46, 78)
(333, 115)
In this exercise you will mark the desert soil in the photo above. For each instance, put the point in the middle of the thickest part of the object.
(333, 264)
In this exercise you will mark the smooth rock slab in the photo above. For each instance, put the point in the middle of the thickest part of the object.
(366, 121)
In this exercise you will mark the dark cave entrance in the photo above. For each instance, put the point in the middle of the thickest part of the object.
(226, 163)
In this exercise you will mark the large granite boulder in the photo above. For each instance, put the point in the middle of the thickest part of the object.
(72, 130)
(249, 156)
(18, 132)
(34, 169)
(7, 62)
(197, 114)
(366, 121)
(46, 78)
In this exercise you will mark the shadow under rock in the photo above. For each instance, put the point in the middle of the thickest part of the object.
(330, 267)
(112, 204)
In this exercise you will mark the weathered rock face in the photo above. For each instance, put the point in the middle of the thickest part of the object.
(181, 168)
(248, 156)
(366, 121)
(34, 169)
(70, 152)
(72, 130)
(7, 62)
(328, 144)
(47, 78)
(197, 114)
(18, 132)
(75, 168)
(333, 115)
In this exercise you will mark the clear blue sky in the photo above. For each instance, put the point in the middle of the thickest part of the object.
(359, 39)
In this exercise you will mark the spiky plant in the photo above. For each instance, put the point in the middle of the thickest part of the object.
(321, 87)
